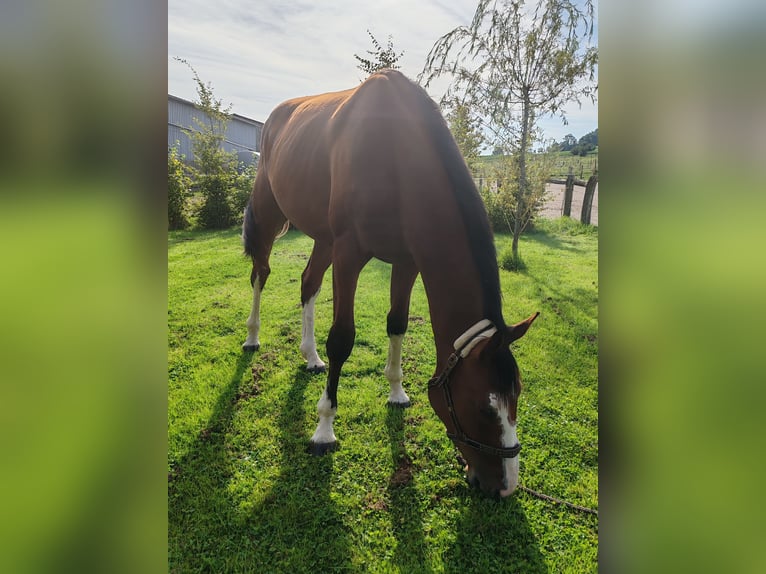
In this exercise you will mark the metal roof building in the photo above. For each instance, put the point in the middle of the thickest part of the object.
(243, 135)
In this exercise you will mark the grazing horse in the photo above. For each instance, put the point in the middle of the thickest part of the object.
(374, 172)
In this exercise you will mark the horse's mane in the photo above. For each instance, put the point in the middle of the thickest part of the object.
(477, 228)
(470, 205)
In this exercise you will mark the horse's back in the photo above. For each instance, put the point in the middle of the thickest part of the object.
(388, 178)
(361, 161)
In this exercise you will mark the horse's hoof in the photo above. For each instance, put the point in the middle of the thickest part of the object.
(399, 405)
(316, 369)
(250, 348)
(321, 448)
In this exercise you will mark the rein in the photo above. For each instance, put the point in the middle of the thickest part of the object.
(463, 346)
(542, 496)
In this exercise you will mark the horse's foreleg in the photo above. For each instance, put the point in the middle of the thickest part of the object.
(311, 283)
(402, 279)
(347, 263)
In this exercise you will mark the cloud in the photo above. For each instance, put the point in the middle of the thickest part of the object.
(258, 54)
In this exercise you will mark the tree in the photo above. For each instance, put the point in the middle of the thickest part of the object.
(215, 168)
(568, 142)
(590, 138)
(466, 129)
(512, 64)
(387, 58)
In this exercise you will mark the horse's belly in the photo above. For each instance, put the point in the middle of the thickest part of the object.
(305, 205)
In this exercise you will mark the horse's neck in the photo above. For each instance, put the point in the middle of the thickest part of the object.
(454, 298)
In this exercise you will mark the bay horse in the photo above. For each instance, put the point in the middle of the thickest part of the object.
(374, 171)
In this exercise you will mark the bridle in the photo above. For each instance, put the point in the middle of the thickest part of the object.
(463, 346)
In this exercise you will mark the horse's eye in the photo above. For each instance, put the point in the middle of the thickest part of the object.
(488, 412)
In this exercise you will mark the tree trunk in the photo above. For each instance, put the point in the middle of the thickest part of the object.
(521, 200)
(569, 192)
(587, 200)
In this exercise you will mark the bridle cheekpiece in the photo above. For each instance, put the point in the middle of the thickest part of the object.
(463, 346)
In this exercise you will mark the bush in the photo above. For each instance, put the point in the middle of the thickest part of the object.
(583, 149)
(500, 198)
(216, 210)
(498, 214)
(178, 191)
(511, 263)
(207, 201)
(242, 186)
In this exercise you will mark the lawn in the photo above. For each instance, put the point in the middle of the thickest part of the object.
(243, 494)
(560, 162)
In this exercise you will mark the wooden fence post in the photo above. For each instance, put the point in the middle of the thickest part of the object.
(587, 200)
(568, 192)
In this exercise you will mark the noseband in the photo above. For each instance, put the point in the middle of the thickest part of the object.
(463, 346)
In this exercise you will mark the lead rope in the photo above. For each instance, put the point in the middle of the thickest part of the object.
(542, 496)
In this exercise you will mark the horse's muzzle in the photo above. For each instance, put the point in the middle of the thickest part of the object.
(473, 481)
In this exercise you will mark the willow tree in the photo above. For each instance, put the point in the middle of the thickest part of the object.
(466, 129)
(515, 63)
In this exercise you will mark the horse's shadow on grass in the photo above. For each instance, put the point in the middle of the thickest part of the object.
(485, 541)
(198, 527)
(303, 527)
(490, 536)
(406, 518)
(294, 528)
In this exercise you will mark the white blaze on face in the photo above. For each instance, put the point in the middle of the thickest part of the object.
(508, 439)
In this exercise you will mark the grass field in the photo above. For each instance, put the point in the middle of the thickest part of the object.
(561, 161)
(244, 496)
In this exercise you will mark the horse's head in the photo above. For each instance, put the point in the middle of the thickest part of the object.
(476, 397)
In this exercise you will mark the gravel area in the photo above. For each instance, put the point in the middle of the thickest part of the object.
(554, 207)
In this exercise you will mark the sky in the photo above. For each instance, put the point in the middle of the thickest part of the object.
(258, 54)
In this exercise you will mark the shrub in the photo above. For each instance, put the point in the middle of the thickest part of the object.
(498, 213)
(178, 191)
(242, 185)
(501, 197)
(509, 262)
(216, 210)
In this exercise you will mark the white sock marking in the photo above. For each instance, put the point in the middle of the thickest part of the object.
(308, 342)
(254, 320)
(393, 370)
(508, 439)
(324, 433)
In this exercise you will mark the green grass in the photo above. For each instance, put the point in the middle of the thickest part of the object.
(244, 496)
(561, 161)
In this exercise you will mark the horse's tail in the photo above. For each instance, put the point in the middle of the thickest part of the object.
(249, 231)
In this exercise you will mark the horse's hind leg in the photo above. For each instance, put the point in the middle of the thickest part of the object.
(402, 279)
(252, 343)
(311, 283)
(263, 221)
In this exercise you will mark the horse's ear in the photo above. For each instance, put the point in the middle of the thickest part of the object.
(518, 330)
